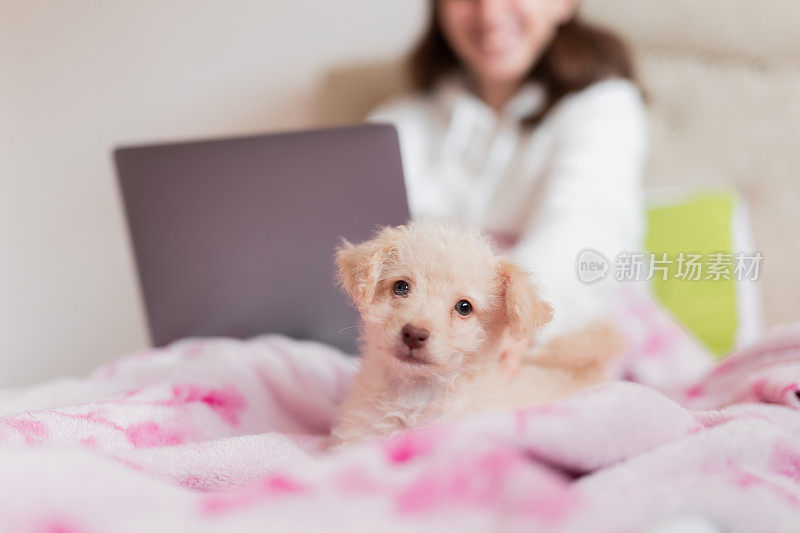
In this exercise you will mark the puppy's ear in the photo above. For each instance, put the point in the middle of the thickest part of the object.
(360, 267)
(524, 308)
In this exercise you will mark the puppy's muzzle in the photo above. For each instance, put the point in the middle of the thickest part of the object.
(414, 337)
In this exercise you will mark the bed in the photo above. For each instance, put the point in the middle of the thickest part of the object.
(216, 434)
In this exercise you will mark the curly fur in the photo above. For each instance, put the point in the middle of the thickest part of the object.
(469, 363)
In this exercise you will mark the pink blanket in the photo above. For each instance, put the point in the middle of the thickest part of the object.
(224, 435)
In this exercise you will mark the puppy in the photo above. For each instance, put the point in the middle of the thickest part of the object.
(446, 324)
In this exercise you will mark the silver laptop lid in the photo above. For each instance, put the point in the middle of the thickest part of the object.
(235, 237)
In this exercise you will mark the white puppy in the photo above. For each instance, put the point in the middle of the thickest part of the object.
(446, 323)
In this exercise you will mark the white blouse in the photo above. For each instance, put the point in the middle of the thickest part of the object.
(572, 182)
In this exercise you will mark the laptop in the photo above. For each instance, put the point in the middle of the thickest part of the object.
(235, 237)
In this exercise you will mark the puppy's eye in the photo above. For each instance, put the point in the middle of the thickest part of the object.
(463, 307)
(401, 288)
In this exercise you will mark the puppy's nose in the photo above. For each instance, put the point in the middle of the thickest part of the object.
(414, 337)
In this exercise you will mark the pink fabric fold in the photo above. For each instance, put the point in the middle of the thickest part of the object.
(768, 372)
(224, 435)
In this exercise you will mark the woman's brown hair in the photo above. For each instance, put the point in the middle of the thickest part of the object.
(578, 55)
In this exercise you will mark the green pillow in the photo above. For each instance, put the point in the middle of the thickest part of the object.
(700, 223)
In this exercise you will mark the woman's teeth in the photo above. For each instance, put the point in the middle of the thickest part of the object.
(496, 41)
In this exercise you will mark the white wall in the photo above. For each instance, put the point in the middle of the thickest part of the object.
(80, 77)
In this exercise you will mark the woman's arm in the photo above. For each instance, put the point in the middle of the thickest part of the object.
(592, 198)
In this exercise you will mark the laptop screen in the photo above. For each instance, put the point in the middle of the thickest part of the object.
(235, 237)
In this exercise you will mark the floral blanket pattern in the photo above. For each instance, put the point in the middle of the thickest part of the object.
(225, 435)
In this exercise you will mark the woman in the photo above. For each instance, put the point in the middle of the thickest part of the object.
(527, 122)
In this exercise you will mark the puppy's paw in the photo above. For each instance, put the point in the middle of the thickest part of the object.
(594, 348)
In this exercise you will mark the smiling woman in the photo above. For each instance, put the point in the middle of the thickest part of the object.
(527, 123)
(499, 41)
